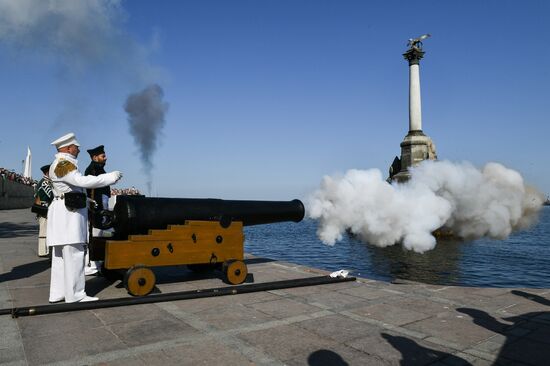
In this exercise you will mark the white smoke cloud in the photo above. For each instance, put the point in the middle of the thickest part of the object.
(491, 202)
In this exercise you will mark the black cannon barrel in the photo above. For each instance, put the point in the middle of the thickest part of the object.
(138, 214)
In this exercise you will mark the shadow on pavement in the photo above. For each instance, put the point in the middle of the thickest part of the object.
(258, 260)
(163, 275)
(414, 354)
(173, 274)
(97, 284)
(167, 275)
(324, 357)
(25, 270)
(532, 297)
(11, 230)
(526, 338)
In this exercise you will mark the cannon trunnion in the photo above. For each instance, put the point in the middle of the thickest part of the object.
(202, 234)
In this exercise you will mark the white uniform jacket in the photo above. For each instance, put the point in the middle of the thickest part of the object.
(70, 226)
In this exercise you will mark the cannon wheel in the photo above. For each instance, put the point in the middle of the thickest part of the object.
(235, 271)
(139, 280)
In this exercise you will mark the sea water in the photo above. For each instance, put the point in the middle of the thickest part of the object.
(522, 260)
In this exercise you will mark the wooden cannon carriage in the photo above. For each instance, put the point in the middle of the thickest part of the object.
(200, 233)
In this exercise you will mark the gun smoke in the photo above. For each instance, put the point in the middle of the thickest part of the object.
(492, 202)
(146, 112)
(77, 34)
(81, 37)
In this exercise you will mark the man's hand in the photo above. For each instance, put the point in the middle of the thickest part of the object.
(117, 174)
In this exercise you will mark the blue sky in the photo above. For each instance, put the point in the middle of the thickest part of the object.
(266, 97)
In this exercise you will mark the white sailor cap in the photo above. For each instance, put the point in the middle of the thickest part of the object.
(66, 140)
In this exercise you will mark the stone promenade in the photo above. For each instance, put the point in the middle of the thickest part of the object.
(353, 323)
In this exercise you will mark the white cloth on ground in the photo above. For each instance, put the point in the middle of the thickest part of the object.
(341, 273)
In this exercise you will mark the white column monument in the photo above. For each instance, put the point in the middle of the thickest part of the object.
(27, 170)
(416, 146)
(415, 106)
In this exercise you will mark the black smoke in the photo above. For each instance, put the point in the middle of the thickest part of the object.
(146, 112)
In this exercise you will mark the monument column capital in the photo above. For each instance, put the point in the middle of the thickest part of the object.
(413, 55)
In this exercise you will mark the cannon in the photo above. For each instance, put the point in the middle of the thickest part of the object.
(203, 234)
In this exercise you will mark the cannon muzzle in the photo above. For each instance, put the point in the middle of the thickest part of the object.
(138, 214)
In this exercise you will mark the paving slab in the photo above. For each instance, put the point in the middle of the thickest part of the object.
(50, 325)
(116, 315)
(286, 341)
(198, 305)
(284, 308)
(11, 345)
(452, 327)
(69, 346)
(364, 322)
(338, 328)
(390, 314)
(393, 347)
(370, 292)
(233, 316)
(337, 355)
(192, 355)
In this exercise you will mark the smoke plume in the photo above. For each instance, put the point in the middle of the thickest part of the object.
(85, 36)
(146, 112)
(491, 202)
(75, 33)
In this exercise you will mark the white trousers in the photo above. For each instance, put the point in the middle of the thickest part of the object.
(67, 280)
(43, 249)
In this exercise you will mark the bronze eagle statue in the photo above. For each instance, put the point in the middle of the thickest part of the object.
(417, 42)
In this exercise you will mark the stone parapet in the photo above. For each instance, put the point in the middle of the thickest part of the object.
(15, 195)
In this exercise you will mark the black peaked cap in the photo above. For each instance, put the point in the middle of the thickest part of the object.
(96, 151)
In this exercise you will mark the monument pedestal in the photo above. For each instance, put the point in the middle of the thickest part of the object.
(416, 147)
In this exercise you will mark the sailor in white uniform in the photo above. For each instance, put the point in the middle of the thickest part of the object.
(68, 220)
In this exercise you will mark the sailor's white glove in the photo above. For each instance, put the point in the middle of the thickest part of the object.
(117, 174)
